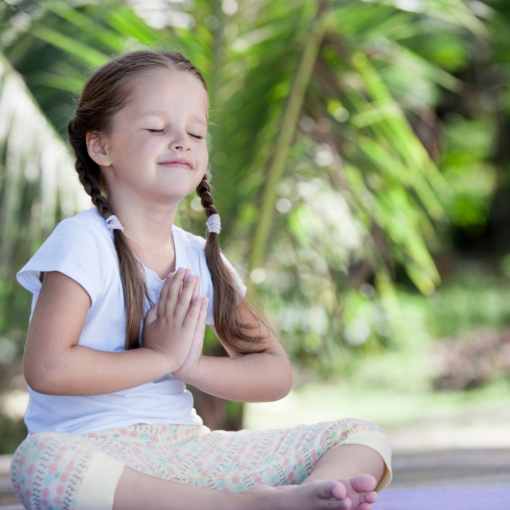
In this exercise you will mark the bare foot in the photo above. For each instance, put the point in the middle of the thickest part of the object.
(360, 490)
(353, 493)
(317, 494)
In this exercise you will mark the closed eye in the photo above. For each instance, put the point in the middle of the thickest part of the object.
(161, 130)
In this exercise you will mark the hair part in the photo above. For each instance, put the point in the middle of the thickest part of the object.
(105, 93)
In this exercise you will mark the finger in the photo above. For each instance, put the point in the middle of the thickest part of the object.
(173, 292)
(184, 301)
(203, 310)
(151, 315)
(200, 327)
(196, 290)
(191, 318)
(202, 314)
(187, 272)
(163, 295)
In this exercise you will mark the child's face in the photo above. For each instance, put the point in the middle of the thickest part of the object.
(141, 141)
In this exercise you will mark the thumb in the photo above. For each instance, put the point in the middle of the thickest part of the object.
(152, 315)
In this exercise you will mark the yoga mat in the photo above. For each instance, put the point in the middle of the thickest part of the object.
(445, 499)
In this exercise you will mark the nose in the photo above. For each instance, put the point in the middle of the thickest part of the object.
(179, 140)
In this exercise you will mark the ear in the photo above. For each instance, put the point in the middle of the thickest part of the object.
(97, 148)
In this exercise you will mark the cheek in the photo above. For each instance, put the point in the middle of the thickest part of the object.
(202, 156)
(136, 153)
(202, 162)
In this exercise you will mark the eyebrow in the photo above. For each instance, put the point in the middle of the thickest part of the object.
(160, 112)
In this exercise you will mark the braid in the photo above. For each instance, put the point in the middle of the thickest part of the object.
(91, 188)
(86, 173)
(89, 175)
(204, 192)
(228, 324)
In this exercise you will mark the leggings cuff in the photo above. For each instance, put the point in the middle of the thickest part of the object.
(100, 482)
(382, 446)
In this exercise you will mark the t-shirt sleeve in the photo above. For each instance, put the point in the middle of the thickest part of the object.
(74, 249)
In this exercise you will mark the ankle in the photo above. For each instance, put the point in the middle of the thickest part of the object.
(254, 500)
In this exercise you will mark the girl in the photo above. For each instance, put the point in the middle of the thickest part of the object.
(121, 300)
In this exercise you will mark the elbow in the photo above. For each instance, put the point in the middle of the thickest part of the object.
(38, 383)
(284, 386)
(35, 381)
(290, 377)
(41, 379)
(289, 383)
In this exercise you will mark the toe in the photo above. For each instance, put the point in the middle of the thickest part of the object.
(337, 505)
(364, 483)
(371, 497)
(347, 504)
(338, 490)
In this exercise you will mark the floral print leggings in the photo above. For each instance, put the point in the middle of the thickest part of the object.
(63, 471)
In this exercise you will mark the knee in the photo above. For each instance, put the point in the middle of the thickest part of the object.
(37, 456)
(27, 454)
(37, 445)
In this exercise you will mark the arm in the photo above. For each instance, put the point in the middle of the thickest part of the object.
(255, 377)
(55, 364)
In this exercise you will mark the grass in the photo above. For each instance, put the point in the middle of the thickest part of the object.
(388, 408)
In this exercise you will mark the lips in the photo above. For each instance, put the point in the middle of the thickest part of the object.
(180, 161)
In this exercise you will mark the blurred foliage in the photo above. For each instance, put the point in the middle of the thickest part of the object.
(467, 169)
(55, 45)
(469, 313)
(12, 432)
(473, 360)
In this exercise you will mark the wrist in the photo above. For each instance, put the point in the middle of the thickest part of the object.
(193, 375)
(164, 365)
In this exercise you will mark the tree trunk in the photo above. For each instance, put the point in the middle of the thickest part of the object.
(217, 413)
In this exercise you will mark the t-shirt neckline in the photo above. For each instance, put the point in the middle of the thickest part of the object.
(148, 270)
(177, 259)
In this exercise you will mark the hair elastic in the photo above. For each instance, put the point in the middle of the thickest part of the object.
(213, 223)
(112, 223)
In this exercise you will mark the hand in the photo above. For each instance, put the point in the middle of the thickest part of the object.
(195, 352)
(172, 332)
(152, 314)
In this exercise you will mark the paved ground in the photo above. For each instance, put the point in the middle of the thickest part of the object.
(451, 468)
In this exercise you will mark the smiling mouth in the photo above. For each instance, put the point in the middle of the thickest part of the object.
(184, 166)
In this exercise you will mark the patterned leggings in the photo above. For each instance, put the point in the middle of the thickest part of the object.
(62, 471)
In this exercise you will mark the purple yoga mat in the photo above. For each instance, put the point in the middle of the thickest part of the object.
(445, 499)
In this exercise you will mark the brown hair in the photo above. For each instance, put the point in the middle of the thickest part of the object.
(106, 92)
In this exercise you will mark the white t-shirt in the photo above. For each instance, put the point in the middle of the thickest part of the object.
(82, 248)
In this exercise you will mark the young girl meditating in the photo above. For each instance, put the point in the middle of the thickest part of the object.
(121, 300)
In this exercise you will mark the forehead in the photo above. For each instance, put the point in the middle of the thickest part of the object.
(167, 93)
